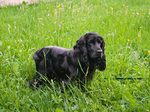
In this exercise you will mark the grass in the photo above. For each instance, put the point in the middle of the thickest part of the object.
(125, 26)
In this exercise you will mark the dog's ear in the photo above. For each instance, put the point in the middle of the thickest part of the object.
(80, 43)
(103, 44)
(102, 61)
(81, 48)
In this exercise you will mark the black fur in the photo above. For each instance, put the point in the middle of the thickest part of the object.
(65, 65)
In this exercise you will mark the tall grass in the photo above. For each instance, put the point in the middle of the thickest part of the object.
(125, 26)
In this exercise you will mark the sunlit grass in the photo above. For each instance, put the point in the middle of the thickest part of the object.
(125, 26)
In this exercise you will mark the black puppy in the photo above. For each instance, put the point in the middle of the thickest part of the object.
(64, 65)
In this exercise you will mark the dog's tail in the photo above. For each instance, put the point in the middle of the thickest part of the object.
(37, 55)
(41, 54)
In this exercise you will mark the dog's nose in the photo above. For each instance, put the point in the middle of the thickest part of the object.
(99, 51)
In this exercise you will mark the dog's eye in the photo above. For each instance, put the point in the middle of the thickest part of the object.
(89, 45)
(92, 42)
(98, 41)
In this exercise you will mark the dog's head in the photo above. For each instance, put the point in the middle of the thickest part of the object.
(91, 46)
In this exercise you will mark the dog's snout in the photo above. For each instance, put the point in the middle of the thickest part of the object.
(99, 51)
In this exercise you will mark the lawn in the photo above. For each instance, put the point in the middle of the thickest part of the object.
(125, 27)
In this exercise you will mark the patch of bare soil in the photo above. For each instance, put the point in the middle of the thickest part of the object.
(16, 2)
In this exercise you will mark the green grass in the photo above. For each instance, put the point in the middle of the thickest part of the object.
(125, 26)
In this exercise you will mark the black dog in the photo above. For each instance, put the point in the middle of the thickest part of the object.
(65, 65)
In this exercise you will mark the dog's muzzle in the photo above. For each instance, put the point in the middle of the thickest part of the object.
(100, 53)
(101, 61)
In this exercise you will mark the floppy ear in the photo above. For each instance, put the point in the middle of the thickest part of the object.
(82, 41)
(79, 43)
(103, 45)
(102, 62)
(81, 48)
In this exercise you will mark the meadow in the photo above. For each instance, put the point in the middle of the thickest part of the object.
(125, 26)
